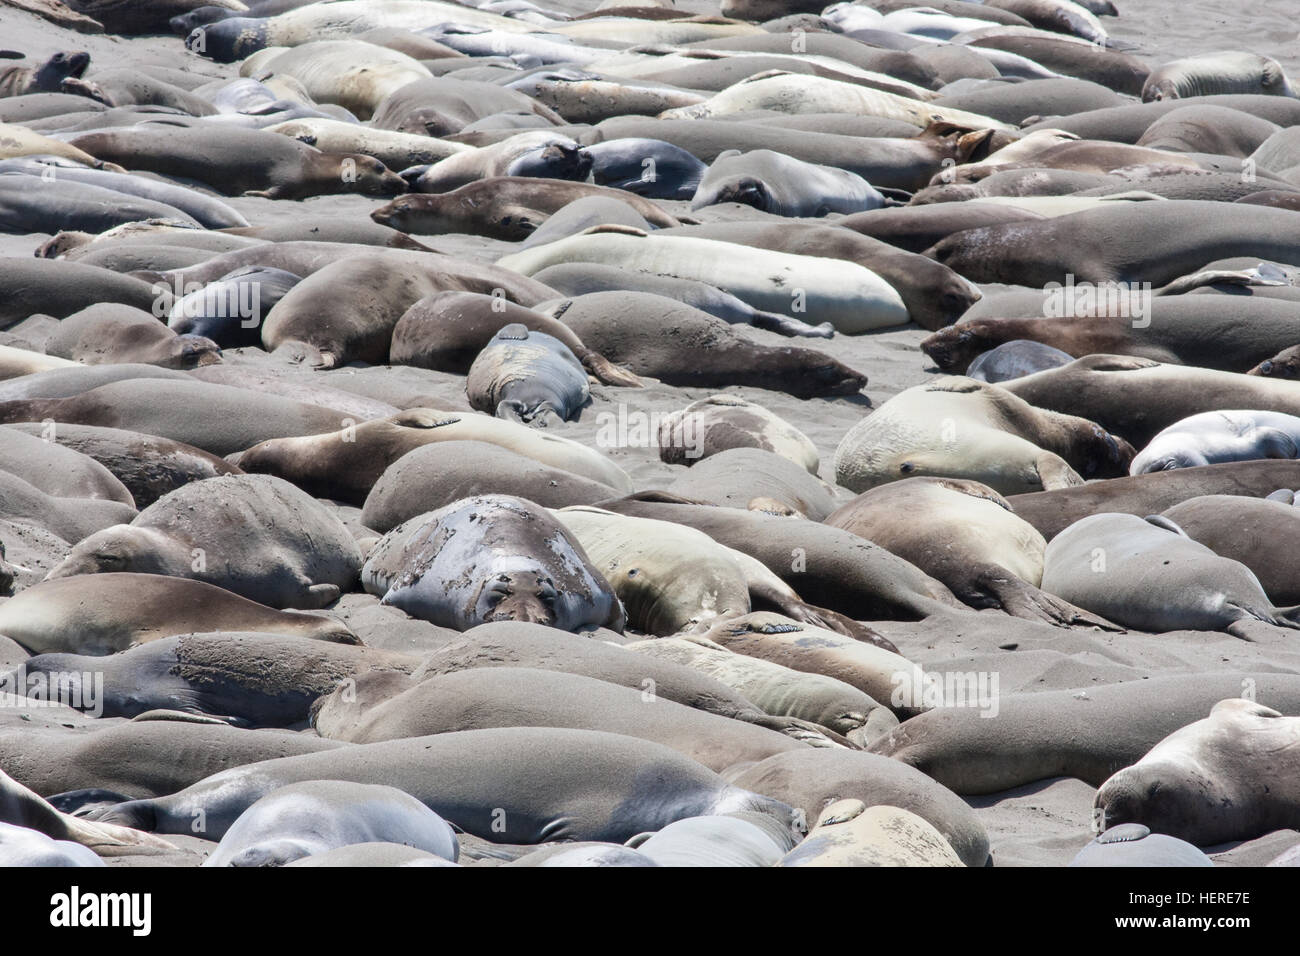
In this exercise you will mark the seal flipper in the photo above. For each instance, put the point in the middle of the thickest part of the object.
(609, 373)
(321, 595)
(1054, 472)
(1021, 599)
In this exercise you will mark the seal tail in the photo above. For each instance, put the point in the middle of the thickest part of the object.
(609, 373)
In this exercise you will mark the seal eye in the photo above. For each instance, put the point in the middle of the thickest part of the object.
(907, 468)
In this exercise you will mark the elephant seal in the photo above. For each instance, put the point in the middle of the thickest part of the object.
(434, 476)
(591, 785)
(1152, 493)
(303, 819)
(774, 183)
(17, 362)
(849, 296)
(849, 833)
(755, 479)
(491, 558)
(353, 74)
(671, 578)
(722, 422)
(851, 575)
(653, 335)
(46, 78)
(1177, 329)
(1087, 733)
(519, 697)
(447, 330)
(1225, 777)
(1211, 73)
(218, 419)
(516, 644)
(882, 674)
(1132, 844)
(793, 93)
(1015, 359)
(960, 428)
(1208, 129)
(503, 207)
(59, 289)
(146, 466)
(230, 310)
(1254, 531)
(345, 465)
(535, 154)
(1147, 575)
(812, 779)
(395, 150)
(646, 167)
(242, 678)
(110, 333)
(527, 377)
(1162, 242)
(935, 296)
(779, 690)
(346, 311)
(35, 454)
(1211, 438)
(1136, 398)
(72, 518)
(978, 547)
(254, 535)
(917, 228)
(583, 278)
(137, 758)
(234, 161)
(105, 613)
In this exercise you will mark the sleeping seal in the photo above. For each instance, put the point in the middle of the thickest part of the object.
(491, 558)
(1148, 575)
(1231, 776)
(966, 535)
(1213, 437)
(778, 184)
(527, 377)
(255, 535)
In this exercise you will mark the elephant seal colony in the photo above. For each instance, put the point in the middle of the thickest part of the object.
(722, 432)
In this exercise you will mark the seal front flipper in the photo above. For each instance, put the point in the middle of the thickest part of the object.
(1054, 472)
(321, 595)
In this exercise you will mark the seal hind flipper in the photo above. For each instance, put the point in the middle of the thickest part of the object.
(609, 373)
(1021, 599)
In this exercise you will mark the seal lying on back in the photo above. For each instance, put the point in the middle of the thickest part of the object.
(1132, 844)
(587, 785)
(527, 377)
(1148, 575)
(966, 535)
(491, 558)
(1214, 437)
(1231, 776)
(105, 613)
(255, 535)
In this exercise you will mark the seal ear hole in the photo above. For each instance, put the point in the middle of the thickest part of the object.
(906, 468)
